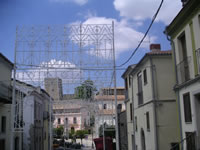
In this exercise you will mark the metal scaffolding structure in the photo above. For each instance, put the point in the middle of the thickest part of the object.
(73, 53)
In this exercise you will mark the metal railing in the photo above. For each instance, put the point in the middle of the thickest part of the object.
(5, 92)
(198, 59)
(191, 141)
(184, 70)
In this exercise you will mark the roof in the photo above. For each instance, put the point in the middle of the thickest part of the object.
(118, 88)
(182, 18)
(6, 59)
(106, 111)
(128, 70)
(34, 88)
(110, 97)
(168, 52)
(152, 53)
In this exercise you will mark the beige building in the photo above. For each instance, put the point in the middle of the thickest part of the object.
(72, 114)
(53, 86)
(129, 106)
(105, 104)
(184, 32)
(151, 101)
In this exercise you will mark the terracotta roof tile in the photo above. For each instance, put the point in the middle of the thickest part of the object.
(110, 97)
(168, 52)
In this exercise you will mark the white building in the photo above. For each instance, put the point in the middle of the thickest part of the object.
(151, 103)
(36, 111)
(184, 32)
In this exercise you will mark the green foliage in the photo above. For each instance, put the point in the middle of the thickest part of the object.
(81, 134)
(59, 131)
(85, 90)
(109, 131)
(72, 134)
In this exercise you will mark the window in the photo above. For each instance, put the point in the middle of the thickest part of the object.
(140, 92)
(66, 120)
(183, 66)
(16, 143)
(145, 76)
(148, 121)
(126, 84)
(187, 107)
(136, 124)
(85, 123)
(58, 120)
(183, 47)
(104, 106)
(3, 124)
(131, 111)
(190, 140)
(74, 120)
(129, 81)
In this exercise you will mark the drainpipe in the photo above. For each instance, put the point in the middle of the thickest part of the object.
(154, 103)
(178, 95)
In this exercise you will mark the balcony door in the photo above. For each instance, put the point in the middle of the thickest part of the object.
(140, 91)
(184, 61)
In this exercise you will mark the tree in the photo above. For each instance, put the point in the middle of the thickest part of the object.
(81, 134)
(109, 131)
(59, 131)
(85, 90)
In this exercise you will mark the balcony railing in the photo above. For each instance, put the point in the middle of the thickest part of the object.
(184, 70)
(5, 92)
(198, 59)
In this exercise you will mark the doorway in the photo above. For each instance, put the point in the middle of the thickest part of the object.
(197, 114)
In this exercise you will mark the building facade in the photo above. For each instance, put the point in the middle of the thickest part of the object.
(105, 104)
(123, 138)
(153, 100)
(73, 114)
(184, 33)
(5, 102)
(37, 117)
(129, 106)
(53, 86)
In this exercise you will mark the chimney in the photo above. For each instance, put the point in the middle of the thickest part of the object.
(155, 47)
(184, 2)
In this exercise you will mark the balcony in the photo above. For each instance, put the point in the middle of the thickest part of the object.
(183, 70)
(198, 59)
(5, 93)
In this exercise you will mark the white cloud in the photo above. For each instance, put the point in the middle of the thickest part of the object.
(126, 37)
(143, 9)
(87, 14)
(67, 71)
(79, 2)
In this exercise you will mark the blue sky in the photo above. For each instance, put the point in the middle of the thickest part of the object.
(131, 17)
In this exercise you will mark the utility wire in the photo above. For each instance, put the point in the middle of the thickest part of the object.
(153, 19)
